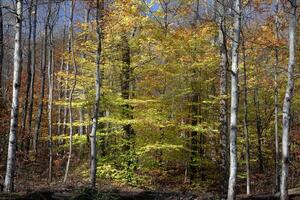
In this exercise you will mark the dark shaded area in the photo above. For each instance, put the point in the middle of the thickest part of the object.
(91, 194)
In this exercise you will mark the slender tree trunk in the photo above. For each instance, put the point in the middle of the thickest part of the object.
(258, 129)
(245, 121)
(26, 138)
(277, 167)
(50, 98)
(61, 93)
(234, 101)
(71, 51)
(194, 142)
(11, 155)
(43, 76)
(81, 120)
(81, 110)
(223, 102)
(93, 137)
(287, 101)
(33, 63)
(1, 46)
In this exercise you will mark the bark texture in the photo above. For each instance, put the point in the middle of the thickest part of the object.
(93, 137)
(221, 16)
(234, 101)
(286, 114)
(12, 144)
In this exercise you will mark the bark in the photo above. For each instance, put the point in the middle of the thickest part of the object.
(33, 63)
(26, 139)
(50, 97)
(234, 101)
(81, 110)
(245, 122)
(93, 137)
(287, 101)
(194, 142)
(1, 46)
(258, 129)
(11, 155)
(277, 167)
(61, 93)
(223, 93)
(71, 51)
(43, 76)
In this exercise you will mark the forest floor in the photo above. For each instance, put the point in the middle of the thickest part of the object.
(76, 189)
(31, 183)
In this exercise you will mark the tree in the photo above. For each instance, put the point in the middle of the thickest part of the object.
(1, 46)
(29, 75)
(43, 77)
(245, 120)
(286, 108)
(221, 20)
(11, 155)
(234, 100)
(70, 101)
(277, 173)
(33, 66)
(51, 65)
(93, 136)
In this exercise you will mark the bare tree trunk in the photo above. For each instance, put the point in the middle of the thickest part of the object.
(245, 121)
(221, 19)
(277, 167)
(194, 141)
(71, 51)
(258, 128)
(234, 100)
(11, 155)
(287, 101)
(31, 96)
(50, 96)
(26, 139)
(1, 46)
(61, 93)
(81, 110)
(43, 76)
(93, 136)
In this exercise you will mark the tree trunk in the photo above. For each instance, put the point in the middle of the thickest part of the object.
(126, 81)
(277, 167)
(234, 101)
(126, 77)
(29, 74)
(43, 76)
(71, 51)
(223, 102)
(33, 63)
(1, 46)
(50, 97)
(194, 141)
(258, 129)
(61, 93)
(11, 155)
(93, 137)
(287, 101)
(245, 121)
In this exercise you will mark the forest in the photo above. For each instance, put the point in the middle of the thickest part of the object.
(149, 99)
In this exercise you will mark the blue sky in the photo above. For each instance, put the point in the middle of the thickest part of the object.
(154, 7)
